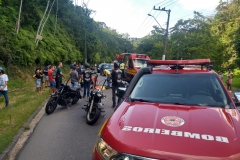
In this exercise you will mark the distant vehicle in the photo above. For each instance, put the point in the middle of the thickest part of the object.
(173, 109)
(107, 66)
(99, 67)
(133, 62)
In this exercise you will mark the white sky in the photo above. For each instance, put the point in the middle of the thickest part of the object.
(130, 16)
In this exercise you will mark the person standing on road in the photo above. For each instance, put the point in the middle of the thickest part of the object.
(107, 74)
(51, 79)
(59, 75)
(229, 80)
(122, 68)
(116, 81)
(74, 78)
(45, 71)
(3, 86)
(86, 76)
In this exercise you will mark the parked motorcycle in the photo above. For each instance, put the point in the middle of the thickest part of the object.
(63, 96)
(94, 105)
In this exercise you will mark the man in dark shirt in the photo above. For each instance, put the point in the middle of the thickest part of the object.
(59, 75)
(116, 81)
(86, 77)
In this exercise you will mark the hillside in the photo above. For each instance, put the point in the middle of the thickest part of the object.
(64, 33)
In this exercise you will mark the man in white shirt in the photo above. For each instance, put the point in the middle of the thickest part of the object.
(3, 85)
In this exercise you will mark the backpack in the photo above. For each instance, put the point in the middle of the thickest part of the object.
(54, 74)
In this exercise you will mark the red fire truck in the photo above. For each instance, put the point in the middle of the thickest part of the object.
(133, 62)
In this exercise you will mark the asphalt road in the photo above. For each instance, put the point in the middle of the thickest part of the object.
(64, 134)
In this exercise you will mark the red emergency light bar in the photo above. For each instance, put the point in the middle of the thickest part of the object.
(141, 55)
(179, 62)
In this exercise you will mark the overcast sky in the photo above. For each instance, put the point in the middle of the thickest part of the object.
(130, 16)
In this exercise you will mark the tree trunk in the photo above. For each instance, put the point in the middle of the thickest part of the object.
(55, 26)
(40, 24)
(19, 17)
(46, 19)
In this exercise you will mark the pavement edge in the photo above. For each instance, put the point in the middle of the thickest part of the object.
(23, 134)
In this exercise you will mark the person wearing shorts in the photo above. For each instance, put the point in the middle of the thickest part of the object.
(37, 76)
(51, 80)
(45, 71)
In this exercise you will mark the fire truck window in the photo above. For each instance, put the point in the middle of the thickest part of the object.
(130, 65)
(126, 59)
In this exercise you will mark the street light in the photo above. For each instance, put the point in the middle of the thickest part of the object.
(155, 20)
(164, 50)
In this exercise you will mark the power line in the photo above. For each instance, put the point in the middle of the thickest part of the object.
(166, 3)
(158, 14)
(137, 31)
(172, 3)
(159, 3)
(146, 25)
(191, 14)
(153, 21)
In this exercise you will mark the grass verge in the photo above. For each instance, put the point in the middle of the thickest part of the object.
(23, 102)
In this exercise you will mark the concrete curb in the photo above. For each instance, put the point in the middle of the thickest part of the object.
(23, 134)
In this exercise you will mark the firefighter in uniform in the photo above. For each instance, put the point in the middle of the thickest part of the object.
(116, 82)
(122, 68)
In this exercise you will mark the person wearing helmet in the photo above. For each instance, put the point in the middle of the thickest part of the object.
(86, 77)
(116, 81)
(3, 85)
(107, 74)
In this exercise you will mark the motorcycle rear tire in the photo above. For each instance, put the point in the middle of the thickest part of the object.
(75, 100)
(51, 106)
(92, 118)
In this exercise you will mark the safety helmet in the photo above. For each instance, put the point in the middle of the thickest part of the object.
(116, 65)
(87, 65)
(1, 68)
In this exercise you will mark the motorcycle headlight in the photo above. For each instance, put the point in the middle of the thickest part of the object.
(105, 151)
(99, 94)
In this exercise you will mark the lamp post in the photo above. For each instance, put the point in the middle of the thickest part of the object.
(166, 36)
(155, 20)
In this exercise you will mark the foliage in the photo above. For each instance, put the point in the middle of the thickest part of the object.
(64, 43)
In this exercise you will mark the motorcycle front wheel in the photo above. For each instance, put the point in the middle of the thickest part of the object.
(51, 106)
(92, 117)
(75, 100)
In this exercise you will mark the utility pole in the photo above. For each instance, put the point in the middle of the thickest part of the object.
(85, 46)
(166, 33)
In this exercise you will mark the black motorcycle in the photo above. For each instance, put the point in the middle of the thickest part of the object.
(94, 106)
(63, 96)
